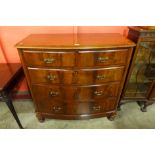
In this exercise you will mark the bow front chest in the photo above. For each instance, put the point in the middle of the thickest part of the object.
(75, 76)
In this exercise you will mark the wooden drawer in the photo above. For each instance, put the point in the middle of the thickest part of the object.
(100, 106)
(76, 108)
(102, 57)
(67, 59)
(99, 76)
(108, 104)
(81, 93)
(51, 106)
(49, 59)
(83, 76)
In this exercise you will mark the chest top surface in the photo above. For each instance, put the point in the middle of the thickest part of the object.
(74, 41)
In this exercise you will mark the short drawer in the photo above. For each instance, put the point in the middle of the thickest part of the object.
(80, 77)
(38, 75)
(102, 57)
(50, 106)
(80, 93)
(96, 107)
(106, 105)
(49, 59)
(100, 76)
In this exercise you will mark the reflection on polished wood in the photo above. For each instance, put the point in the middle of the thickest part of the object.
(66, 41)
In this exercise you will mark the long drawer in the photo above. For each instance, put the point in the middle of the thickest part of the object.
(80, 93)
(76, 108)
(70, 59)
(83, 76)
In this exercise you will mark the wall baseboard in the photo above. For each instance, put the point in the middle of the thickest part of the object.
(21, 95)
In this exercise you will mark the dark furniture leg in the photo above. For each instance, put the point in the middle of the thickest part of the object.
(8, 101)
(144, 104)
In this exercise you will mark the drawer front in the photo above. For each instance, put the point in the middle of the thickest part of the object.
(51, 106)
(88, 77)
(100, 106)
(58, 93)
(102, 58)
(76, 108)
(106, 105)
(93, 93)
(100, 76)
(44, 76)
(81, 93)
(49, 59)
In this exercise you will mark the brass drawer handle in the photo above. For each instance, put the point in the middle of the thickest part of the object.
(98, 93)
(54, 93)
(51, 77)
(96, 108)
(100, 77)
(57, 108)
(49, 60)
(102, 59)
(75, 73)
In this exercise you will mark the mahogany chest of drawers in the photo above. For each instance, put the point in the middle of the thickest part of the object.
(75, 76)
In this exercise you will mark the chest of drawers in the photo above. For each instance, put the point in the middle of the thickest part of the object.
(75, 77)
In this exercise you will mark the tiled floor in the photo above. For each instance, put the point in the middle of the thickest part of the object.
(129, 117)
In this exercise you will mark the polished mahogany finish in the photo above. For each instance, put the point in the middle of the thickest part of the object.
(68, 59)
(76, 93)
(140, 85)
(9, 74)
(81, 76)
(75, 76)
(75, 41)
